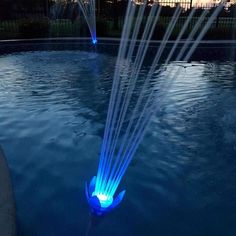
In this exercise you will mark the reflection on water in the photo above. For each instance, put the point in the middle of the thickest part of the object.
(182, 180)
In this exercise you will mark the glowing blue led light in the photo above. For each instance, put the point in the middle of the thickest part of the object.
(94, 41)
(104, 200)
(101, 203)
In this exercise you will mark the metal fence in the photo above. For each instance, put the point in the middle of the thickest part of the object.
(68, 28)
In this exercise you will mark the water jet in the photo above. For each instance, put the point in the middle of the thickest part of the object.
(88, 10)
(129, 115)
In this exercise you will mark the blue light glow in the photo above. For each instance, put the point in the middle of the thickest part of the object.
(100, 203)
(104, 200)
(94, 41)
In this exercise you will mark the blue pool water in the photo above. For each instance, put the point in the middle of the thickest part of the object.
(182, 181)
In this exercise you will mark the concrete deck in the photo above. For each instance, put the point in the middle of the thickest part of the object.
(7, 203)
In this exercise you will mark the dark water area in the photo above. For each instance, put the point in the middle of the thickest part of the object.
(182, 180)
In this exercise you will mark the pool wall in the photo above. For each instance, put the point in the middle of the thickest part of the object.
(210, 50)
(7, 205)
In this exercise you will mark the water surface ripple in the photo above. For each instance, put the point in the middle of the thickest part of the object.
(182, 180)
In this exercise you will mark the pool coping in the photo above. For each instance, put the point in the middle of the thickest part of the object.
(213, 50)
(7, 203)
(116, 40)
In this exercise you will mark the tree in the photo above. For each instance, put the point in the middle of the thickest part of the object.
(6, 8)
(34, 5)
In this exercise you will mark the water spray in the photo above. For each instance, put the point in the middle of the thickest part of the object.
(128, 118)
(88, 9)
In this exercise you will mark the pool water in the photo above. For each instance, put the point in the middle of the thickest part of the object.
(182, 180)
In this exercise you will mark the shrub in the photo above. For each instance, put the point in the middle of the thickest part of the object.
(83, 28)
(159, 32)
(102, 27)
(34, 28)
(219, 33)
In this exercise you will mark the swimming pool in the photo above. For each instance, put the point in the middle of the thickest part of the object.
(53, 105)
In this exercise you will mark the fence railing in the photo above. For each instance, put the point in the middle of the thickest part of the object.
(78, 28)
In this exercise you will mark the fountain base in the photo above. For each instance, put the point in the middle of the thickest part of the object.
(101, 203)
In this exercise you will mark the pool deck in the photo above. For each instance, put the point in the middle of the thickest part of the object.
(7, 203)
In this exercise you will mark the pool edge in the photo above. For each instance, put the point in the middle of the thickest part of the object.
(7, 203)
